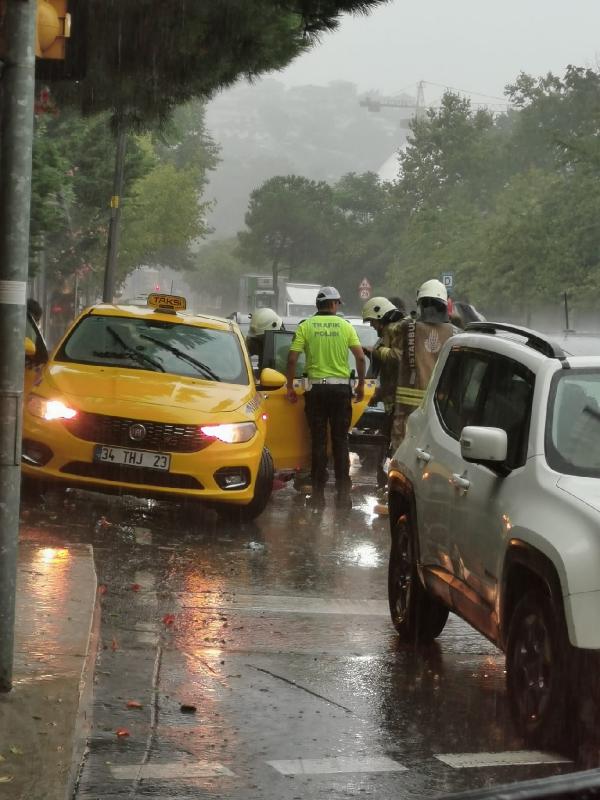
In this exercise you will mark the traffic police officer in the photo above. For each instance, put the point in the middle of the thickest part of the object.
(325, 338)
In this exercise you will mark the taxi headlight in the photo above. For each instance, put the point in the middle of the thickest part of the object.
(49, 409)
(232, 433)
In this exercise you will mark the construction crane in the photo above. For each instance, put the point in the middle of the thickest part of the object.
(420, 108)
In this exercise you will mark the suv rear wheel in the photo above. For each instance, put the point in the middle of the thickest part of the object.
(539, 663)
(417, 616)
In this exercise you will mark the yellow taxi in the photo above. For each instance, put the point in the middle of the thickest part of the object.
(159, 402)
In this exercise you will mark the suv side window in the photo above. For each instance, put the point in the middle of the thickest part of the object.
(275, 352)
(460, 390)
(33, 332)
(508, 406)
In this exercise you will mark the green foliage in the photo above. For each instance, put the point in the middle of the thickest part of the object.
(291, 225)
(509, 204)
(215, 272)
(143, 58)
(163, 211)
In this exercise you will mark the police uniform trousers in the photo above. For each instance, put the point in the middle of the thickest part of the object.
(329, 404)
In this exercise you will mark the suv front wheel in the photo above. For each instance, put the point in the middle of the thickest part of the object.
(539, 665)
(417, 616)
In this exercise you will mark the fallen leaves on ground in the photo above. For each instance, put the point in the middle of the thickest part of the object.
(16, 751)
(114, 645)
(135, 587)
(134, 704)
(169, 619)
(122, 733)
(102, 589)
(6, 778)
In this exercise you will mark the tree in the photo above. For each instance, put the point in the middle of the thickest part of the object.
(166, 213)
(165, 176)
(366, 233)
(215, 274)
(291, 225)
(140, 59)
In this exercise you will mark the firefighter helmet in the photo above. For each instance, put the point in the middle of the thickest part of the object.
(433, 290)
(264, 319)
(376, 308)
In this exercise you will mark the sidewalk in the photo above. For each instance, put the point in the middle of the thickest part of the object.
(44, 721)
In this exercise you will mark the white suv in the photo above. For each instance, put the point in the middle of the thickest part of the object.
(495, 515)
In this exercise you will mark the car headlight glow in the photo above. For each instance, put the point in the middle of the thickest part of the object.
(49, 409)
(232, 433)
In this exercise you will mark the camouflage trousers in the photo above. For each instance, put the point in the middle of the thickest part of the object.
(398, 428)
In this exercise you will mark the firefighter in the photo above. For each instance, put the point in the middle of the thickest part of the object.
(325, 338)
(385, 317)
(264, 319)
(421, 340)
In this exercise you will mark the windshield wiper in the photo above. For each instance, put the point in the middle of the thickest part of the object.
(135, 355)
(184, 356)
(141, 360)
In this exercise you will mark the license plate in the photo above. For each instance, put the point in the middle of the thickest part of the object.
(132, 458)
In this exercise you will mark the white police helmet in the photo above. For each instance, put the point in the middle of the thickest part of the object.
(326, 293)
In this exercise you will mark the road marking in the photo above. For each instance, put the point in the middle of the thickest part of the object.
(508, 758)
(336, 766)
(296, 605)
(173, 771)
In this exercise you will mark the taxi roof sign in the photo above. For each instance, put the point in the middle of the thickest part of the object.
(167, 302)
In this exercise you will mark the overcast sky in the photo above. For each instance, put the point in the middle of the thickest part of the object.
(474, 45)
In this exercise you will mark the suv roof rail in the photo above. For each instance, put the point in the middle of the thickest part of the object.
(535, 340)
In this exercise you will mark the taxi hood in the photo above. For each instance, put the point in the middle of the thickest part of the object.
(107, 389)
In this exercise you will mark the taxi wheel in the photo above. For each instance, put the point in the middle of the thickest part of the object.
(262, 493)
(37, 493)
(34, 491)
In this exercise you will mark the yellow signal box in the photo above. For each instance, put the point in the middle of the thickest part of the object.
(53, 29)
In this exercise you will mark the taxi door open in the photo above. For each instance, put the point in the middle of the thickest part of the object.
(36, 353)
(288, 436)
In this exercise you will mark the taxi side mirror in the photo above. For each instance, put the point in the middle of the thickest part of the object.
(272, 379)
(29, 348)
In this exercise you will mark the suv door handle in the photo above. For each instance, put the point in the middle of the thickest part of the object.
(422, 455)
(460, 482)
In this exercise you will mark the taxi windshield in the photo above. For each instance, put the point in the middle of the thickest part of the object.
(191, 351)
(573, 426)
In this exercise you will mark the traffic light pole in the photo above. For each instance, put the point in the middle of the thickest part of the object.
(16, 142)
(108, 294)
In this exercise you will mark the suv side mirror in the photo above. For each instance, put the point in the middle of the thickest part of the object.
(487, 446)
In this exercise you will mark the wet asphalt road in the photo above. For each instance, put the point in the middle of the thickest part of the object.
(261, 662)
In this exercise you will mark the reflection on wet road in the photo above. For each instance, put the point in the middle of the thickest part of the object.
(259, 661)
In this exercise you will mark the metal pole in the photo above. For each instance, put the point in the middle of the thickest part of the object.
(115, 218)
(566, 299)
(18, 84)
